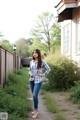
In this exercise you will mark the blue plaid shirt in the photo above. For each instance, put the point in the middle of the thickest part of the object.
(45, 69)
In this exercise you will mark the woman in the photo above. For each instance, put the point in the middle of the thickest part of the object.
(38, 69)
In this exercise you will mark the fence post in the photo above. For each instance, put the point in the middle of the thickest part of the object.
(15, 62)
(18, 62)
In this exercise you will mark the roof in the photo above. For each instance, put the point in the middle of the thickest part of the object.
(65, 7)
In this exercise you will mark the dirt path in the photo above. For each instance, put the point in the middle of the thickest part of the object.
(43, 112)
(67, 108)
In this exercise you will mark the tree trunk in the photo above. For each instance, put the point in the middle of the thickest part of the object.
(49, 44)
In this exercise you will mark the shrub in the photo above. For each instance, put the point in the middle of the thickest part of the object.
(18, 106)
(75, 92)
(62, 74)
(13, 96)
(14, 117)
(11, 89)
(12, 78)
(46, 86)
(5, 100)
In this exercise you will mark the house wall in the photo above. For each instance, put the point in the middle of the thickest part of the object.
(72, 53)
(63, 24)
(75, 16)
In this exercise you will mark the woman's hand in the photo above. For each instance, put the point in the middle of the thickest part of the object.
(40, 74)
(31, 75)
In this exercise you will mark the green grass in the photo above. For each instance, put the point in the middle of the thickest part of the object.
(60, 116)
(51, 104)
(13, 97)
(42, 92)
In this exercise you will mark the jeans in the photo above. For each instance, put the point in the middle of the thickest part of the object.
(35, 88)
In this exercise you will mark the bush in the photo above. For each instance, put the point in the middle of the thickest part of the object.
(18, 106)
(46, 86)
(11, 89)
(13, 96)
(14, 117)
(12, 78)
(5, 100)
(62, 74)
(75, 92)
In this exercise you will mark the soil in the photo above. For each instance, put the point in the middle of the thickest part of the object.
(66, 107)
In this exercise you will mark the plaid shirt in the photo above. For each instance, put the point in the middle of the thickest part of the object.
(45, 69)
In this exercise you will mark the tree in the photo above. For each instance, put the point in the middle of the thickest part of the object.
(37, 44)
(29, 41)
(56, 33)
(22, 47)
(6, 44)
(44, 29)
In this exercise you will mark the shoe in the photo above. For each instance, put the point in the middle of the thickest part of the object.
(32, 113)
(35, 115)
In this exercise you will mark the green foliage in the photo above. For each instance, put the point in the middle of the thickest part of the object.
(37, 44)
(45, 30)
(75, 92)
(60, 116)
(56, 32)
(14, 117)
(13, 97)
(51, 104)
(46, 86)
(22, 47)
(5, 44)
(62, 74)
(29, 41)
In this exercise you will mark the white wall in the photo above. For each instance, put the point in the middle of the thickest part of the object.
(73, 55)
(66, 22)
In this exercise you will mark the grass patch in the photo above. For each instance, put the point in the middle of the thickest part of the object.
(59, 116)
(42, 92)
(51, 104)
(13, 97)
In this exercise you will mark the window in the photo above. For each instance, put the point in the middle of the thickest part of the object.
(78, 35)
(66, 39)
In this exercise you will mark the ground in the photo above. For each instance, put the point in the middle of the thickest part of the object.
(67, 107)
(44, 114)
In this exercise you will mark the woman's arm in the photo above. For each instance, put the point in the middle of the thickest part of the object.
(47, 68)
(30, 72)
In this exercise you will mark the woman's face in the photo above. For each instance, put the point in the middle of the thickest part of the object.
(35, 55)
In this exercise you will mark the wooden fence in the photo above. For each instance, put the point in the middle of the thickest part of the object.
(8, 62)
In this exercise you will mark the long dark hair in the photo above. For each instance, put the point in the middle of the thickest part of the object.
(39, 57)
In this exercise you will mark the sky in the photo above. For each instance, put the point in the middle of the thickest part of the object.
(17, 17)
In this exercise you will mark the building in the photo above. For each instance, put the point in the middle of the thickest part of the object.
(69, 16)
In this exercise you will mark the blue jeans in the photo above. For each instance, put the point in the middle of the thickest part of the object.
(35, 88)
